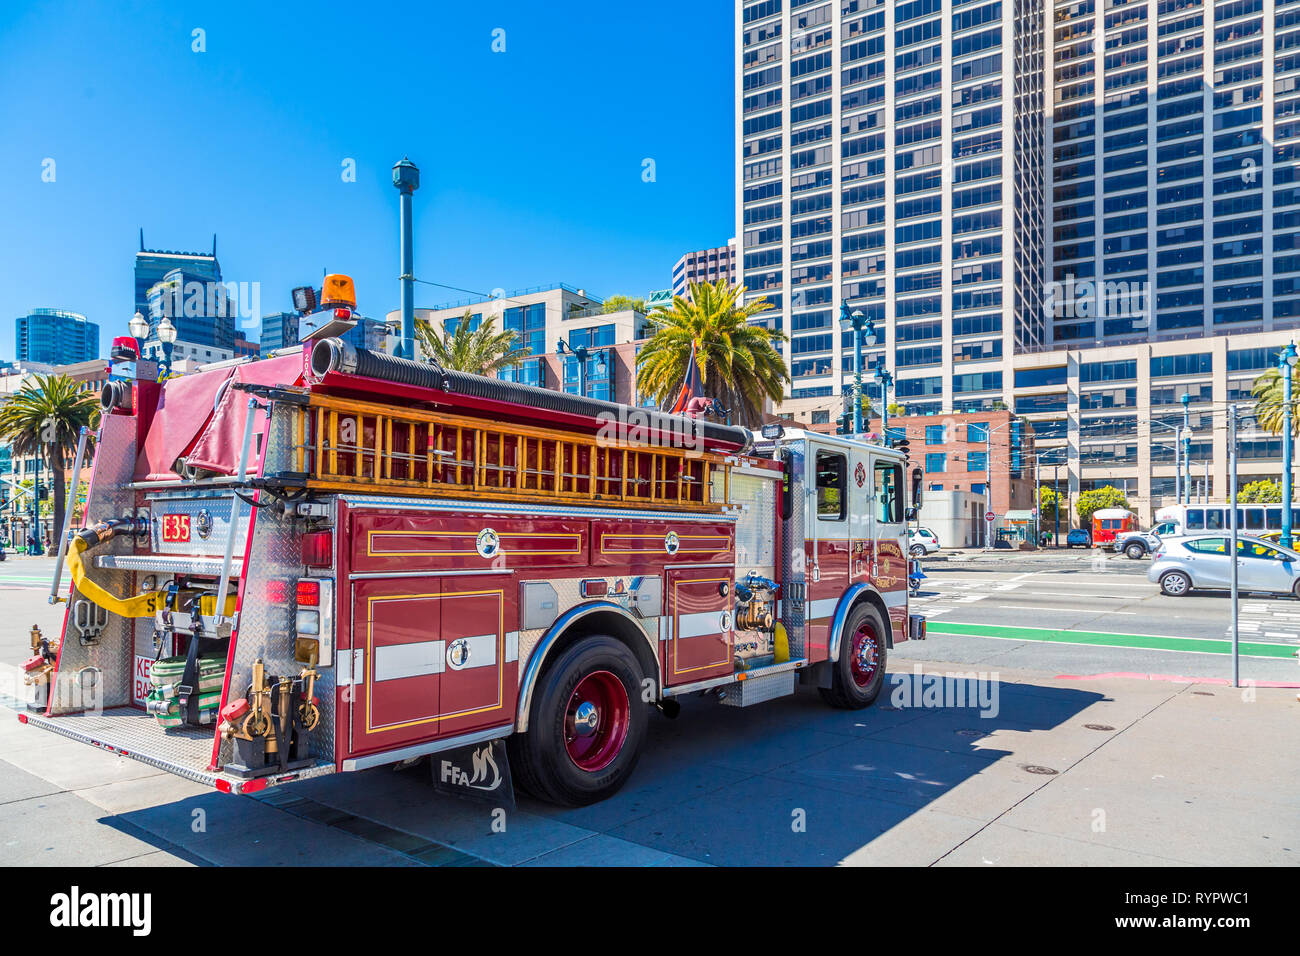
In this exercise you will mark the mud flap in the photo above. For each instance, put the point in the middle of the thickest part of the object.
(479, 772)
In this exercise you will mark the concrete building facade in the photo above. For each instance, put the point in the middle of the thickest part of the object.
(705, 265)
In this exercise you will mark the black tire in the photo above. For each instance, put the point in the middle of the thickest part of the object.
(1295, 590)
(1135, 551)
(540, 758)
(1176, 583)
(846, 691)
(917, 551)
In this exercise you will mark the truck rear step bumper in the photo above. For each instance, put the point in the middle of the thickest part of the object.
(185, 752)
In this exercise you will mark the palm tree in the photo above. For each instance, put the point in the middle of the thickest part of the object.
(1267, 392)
(482, 351)
(738, 361)
(45, 418)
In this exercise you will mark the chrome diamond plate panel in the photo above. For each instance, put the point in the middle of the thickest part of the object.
(266, 628)
(208, 511)
(759, 689)
(99, 676)
(184, 751)
(569, 595)
(755, 543)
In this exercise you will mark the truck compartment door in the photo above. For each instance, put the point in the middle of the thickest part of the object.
(698, 618)
(398, 658)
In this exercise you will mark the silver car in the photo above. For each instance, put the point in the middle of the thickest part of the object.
(1201, 562)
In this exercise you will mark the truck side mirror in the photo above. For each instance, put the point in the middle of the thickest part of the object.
(918, 478)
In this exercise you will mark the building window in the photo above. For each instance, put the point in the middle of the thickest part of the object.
(936, 461)
(934, 434)
(976, 461)
(977, 431)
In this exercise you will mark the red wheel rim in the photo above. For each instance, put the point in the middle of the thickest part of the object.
(866, 654)
(596, 721)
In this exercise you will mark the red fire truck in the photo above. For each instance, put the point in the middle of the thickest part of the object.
(335, 559)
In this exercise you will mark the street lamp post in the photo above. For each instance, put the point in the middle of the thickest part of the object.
(580, 353)
(1286, 363)
(863, 329)
(139, 327)
(167, 336)
(885, 379)
(1187, 448)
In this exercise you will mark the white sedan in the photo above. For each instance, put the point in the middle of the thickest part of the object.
(1201, 562)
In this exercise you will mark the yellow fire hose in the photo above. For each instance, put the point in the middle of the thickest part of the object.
(142, 605)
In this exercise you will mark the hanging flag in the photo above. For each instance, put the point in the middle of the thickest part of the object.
(692, 386)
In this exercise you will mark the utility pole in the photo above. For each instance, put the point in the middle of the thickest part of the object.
(1286, 365)
(1187, 447)
(1056, 505)
(988, 484)
(406, 177)
(1232, 517)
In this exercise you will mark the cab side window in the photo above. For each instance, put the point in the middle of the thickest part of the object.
(888, 490)
(831, 469)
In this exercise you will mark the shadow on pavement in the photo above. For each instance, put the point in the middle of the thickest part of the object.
(788, 782)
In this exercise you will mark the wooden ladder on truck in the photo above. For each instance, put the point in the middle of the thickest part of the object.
(352, 445)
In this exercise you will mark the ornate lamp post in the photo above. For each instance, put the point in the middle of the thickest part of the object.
(580, 353)
(167, 336)
(863, 329)
(1285, 364)
(139, 327)
(885, 379)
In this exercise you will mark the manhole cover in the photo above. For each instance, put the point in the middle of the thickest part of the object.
(1099, 726)
(1034, 768)
(970, 733)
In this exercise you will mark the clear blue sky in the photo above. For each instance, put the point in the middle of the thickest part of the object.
(531, 159)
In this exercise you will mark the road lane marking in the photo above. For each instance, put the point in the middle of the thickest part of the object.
(1063, 610)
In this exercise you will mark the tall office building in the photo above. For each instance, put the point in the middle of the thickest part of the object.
(186, 287)
(705, 265)
(892, 155)
(1173, 137)
(55, 337)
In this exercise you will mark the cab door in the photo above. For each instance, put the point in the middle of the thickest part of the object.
(888, 523)
(831, 481)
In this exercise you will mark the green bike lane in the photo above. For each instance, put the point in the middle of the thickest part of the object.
(1152, 642)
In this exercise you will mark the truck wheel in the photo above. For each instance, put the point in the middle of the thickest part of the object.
(586, 726)
(1176, 584)
(856, 678)
(1135, 550)
(917, 550)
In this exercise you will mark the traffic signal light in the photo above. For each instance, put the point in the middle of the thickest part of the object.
(904, 446)
(845, 426)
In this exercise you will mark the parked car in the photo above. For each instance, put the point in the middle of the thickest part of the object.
(1202, 562)
(1078, 537)
(922, 541)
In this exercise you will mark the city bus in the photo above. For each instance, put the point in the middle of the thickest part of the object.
(1193, 519)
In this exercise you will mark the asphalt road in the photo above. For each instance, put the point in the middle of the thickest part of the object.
(1008, 765)
(1092, 614)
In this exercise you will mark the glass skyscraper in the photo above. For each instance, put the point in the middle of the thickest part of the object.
(55, 337)
(191, 294)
